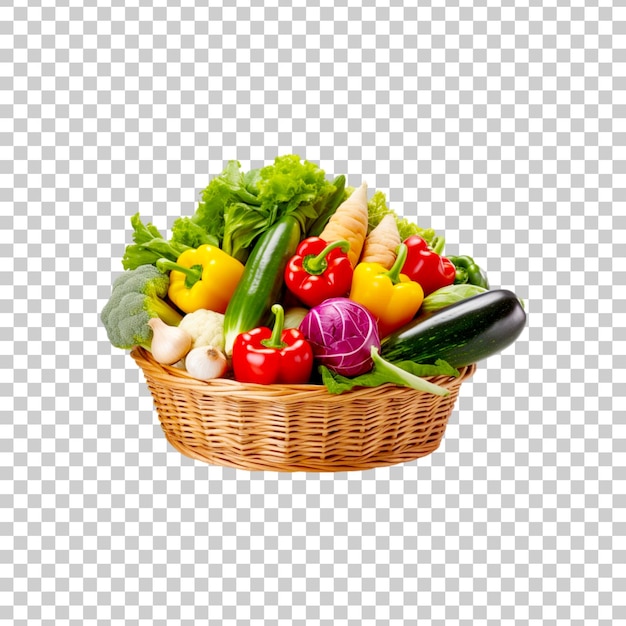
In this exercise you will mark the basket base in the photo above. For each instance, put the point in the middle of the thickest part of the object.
(310, 465)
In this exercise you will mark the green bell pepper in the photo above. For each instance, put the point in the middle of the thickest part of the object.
(468, 271)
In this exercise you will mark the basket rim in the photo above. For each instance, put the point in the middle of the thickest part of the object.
(179, 376)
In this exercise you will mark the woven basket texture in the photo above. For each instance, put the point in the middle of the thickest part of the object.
(291, 428)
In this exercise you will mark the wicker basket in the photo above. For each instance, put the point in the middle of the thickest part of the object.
(290, 428)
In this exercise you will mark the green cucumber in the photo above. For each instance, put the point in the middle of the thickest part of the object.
(262, 280)
(463, 333)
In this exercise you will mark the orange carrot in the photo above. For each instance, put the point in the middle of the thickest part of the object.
(349, 222)
(381, 243)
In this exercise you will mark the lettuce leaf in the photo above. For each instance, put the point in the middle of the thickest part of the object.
(377, 208)
(236, 206)
(404, 373)
(223, 190)
(294, 187)
(187, 232)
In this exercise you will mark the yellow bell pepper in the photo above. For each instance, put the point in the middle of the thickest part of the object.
(202, 278)
(393, 298)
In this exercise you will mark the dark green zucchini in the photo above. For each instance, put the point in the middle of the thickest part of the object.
(465, 332)
(262, 280)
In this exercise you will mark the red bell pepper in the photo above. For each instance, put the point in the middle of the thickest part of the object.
(425, 266)
(268, 356)
(319, 271)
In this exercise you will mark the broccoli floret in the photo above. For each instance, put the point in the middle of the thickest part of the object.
(136, 297)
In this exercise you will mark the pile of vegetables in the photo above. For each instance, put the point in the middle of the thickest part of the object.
(283, 276)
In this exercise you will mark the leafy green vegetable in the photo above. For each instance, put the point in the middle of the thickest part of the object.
(294, 187)
(236, 206)
(287, 187)
(143, 233)
(334, 200)
(243, 226)
(251, 180)
(149, 246)
(405, 373)
(188, 233)
(377, 208)
(230, 186)
(439, 368)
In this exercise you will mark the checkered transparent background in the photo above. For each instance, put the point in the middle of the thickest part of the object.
(500, 124)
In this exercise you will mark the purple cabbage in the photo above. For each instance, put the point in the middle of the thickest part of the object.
(341, 333)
